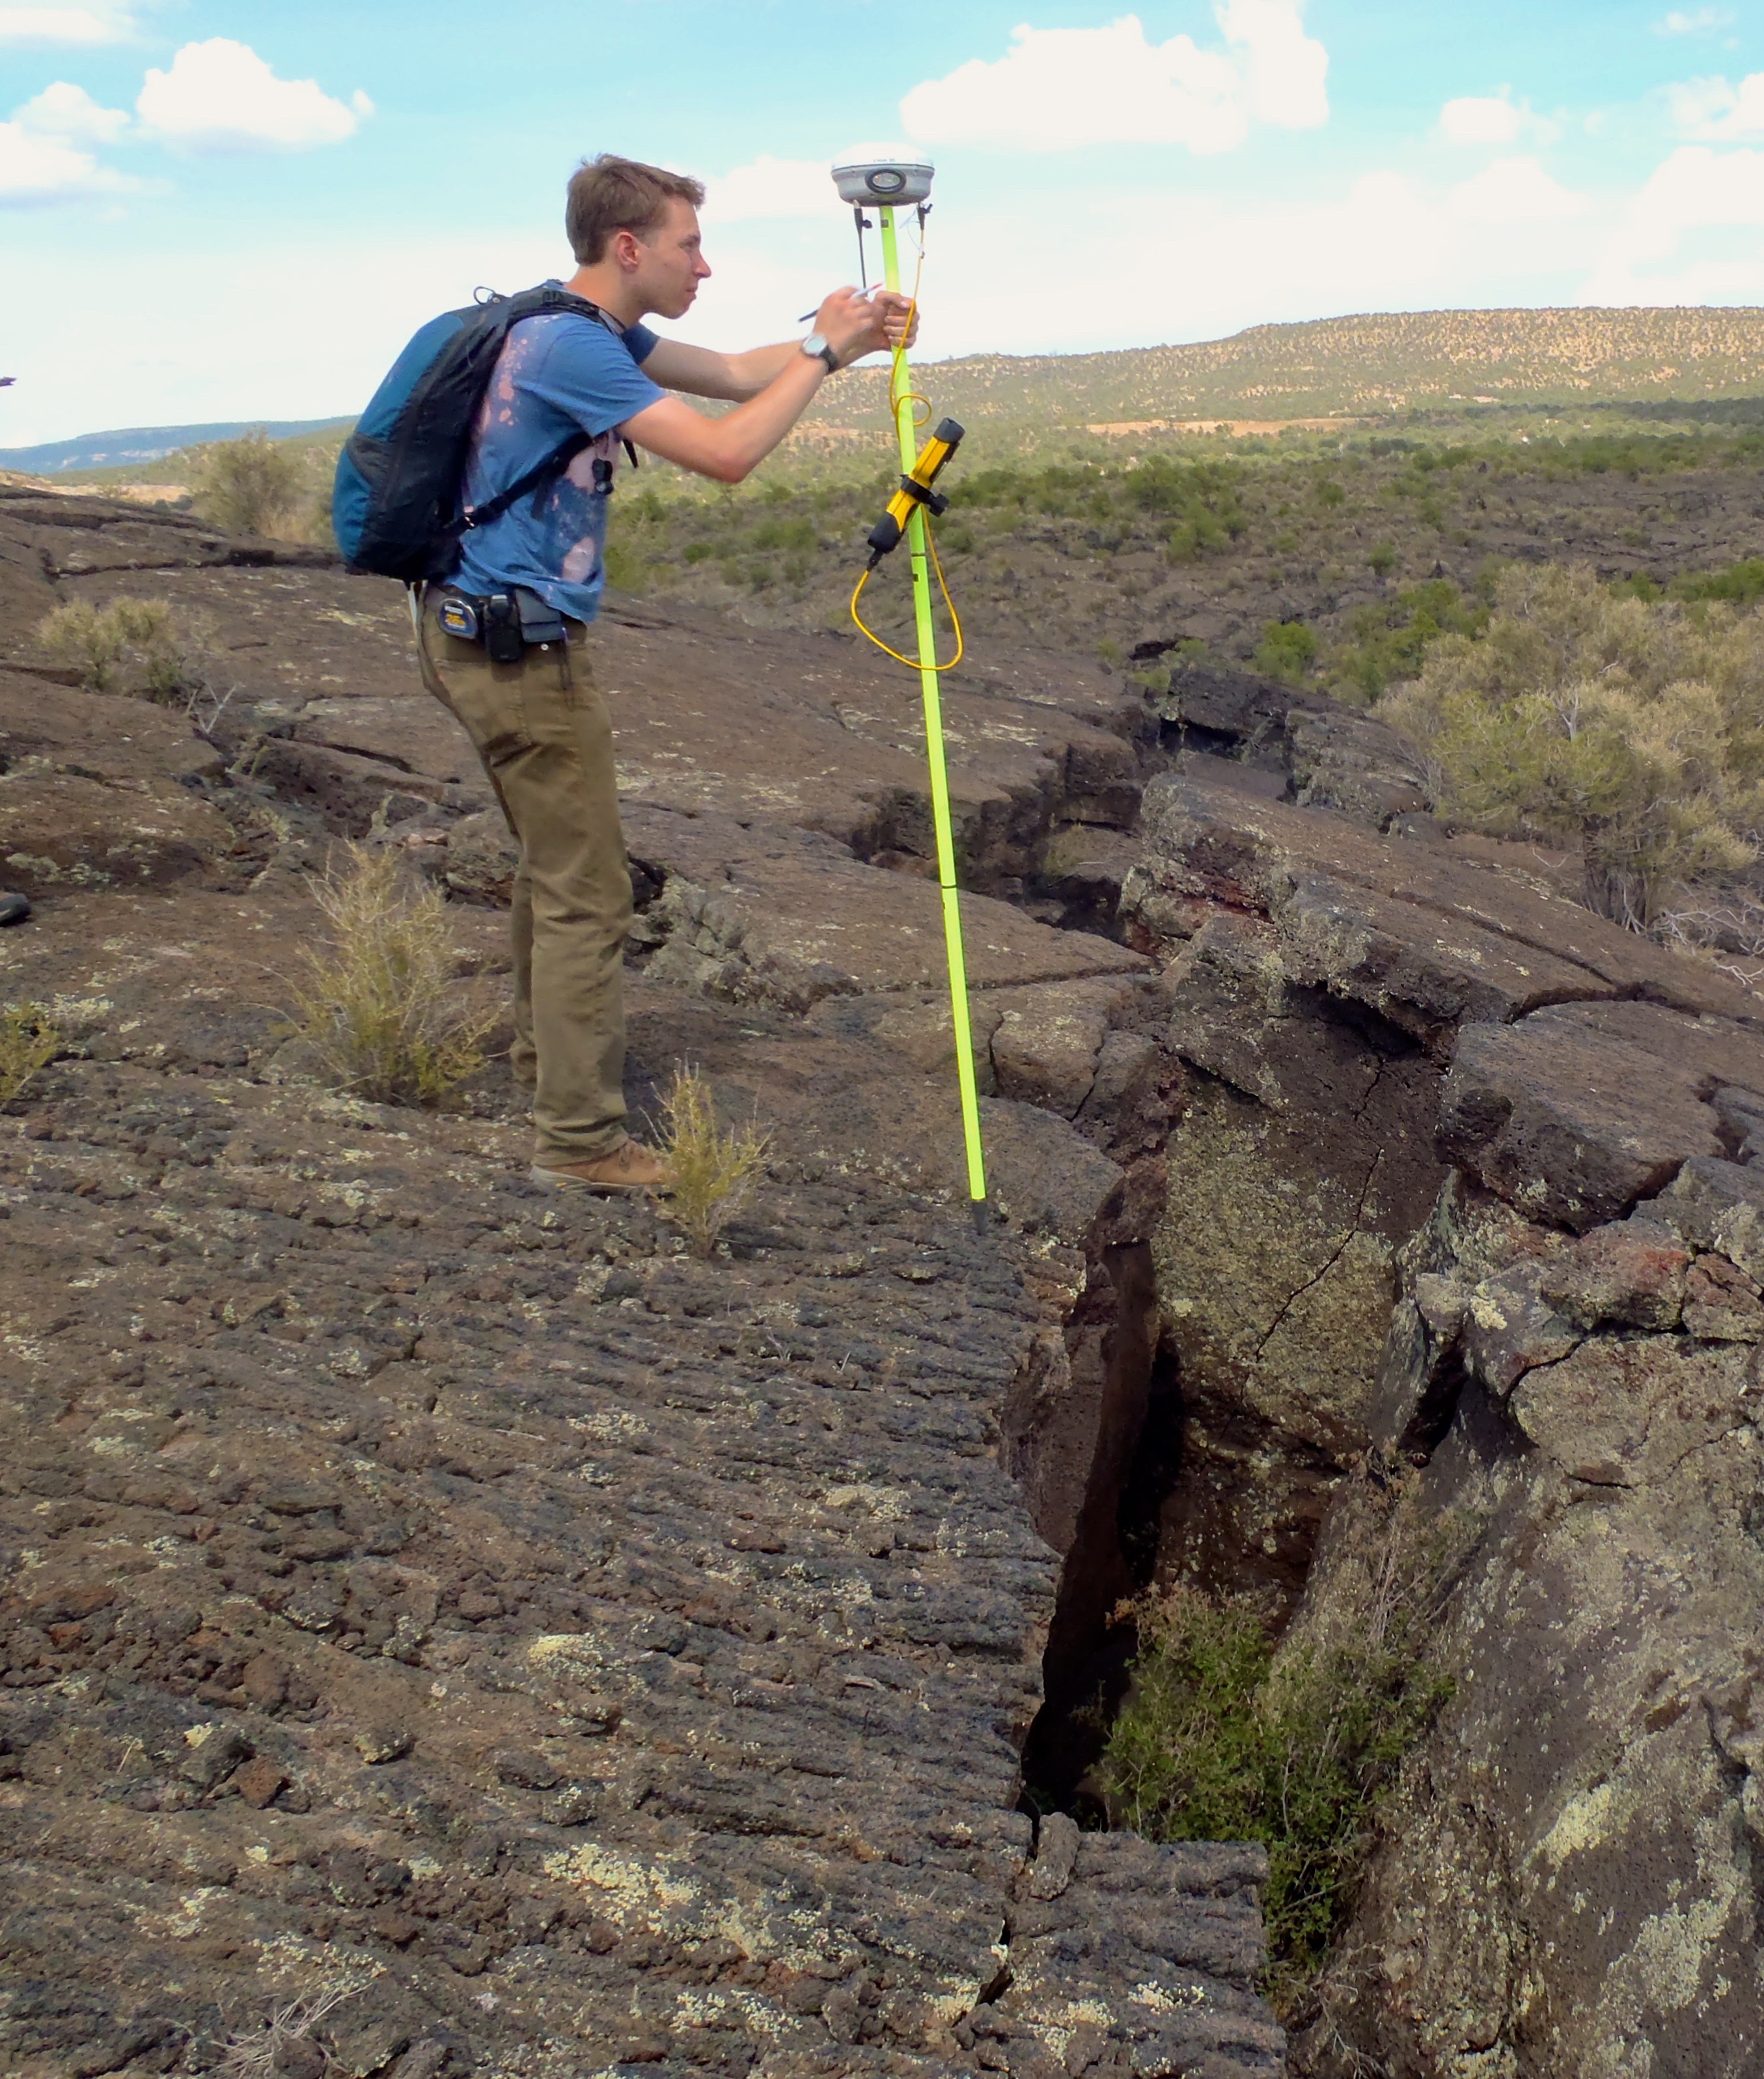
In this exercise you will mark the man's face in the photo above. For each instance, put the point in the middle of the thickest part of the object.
(670, 262)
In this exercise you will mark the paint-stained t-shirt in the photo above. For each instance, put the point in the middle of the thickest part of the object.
(557, 373)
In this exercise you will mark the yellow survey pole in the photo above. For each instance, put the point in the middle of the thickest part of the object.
(905, 431)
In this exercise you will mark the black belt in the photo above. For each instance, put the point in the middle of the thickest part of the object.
(506, 623)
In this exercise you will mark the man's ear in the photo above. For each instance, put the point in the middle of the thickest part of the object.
(627, 249)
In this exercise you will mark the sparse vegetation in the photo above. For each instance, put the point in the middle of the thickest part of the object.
(1740, 584)
(139, 647)
(130, 645)
(1629, 728)
(1385, 644)
(263, 2052)
(715, 1167)
(250, 486)
(1224, 1736)
(377, 1005)
(28, 1043)
(1288, 650)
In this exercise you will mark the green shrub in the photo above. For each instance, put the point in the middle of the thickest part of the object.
(1225, 1737)
(1741, 583)
(1632, 729)
(249, 486)
(1385, 644)
(1288, 650)
(798, 533)
(1383, 560)
(625, 569)
(1331, 493)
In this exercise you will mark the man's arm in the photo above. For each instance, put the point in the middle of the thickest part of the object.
(730, 448)
(700, 372)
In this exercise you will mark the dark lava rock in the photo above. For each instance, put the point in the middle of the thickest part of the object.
(1572, 1123)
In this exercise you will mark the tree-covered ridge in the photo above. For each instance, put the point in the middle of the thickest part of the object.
(1349, 367)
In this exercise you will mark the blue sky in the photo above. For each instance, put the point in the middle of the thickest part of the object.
(217, 210)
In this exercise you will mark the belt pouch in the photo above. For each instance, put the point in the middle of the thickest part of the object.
(539, 622)
(502, 628)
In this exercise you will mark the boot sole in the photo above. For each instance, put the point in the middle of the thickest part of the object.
(557, 1180)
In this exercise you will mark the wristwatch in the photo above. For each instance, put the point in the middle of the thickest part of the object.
(816, 344)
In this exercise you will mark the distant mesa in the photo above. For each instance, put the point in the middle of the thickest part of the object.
(1332, 370)
(130, 445)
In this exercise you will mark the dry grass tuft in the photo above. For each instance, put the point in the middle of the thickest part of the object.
(715, 1167)
(28, 1042)
(257, 2056)
(377, 1005)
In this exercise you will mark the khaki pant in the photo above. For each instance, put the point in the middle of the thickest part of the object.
(545, 739)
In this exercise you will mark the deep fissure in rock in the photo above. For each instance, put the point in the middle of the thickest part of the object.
(1134, 1388)
(1222, 1404)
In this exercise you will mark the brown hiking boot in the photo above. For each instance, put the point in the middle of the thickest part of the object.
(628, 1167)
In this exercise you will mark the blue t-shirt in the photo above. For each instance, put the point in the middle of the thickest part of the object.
(558, 373)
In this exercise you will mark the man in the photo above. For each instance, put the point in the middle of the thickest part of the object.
(538, 724)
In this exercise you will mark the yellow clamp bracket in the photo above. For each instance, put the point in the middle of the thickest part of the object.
(915, 495)
(916, 491)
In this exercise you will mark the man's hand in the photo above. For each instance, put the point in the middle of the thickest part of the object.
(855, 325)
(849, 323)
(896, 310)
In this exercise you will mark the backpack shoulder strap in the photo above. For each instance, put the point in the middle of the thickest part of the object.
(534, 302)
(529, 479)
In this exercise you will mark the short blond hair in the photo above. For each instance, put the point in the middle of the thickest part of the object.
(610, 193)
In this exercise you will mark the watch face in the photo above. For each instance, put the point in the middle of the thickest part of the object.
(815, 343)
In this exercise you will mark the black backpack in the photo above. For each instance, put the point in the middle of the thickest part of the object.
(395, 504)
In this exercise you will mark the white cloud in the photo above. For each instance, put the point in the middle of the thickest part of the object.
(1696, 188)
(1702, 22)
(1709, 110)
(56, 23)
(1061, 88)
(70, 112)
(220, 96)
(1514, 191)
(1494, 118)
(1286, 70)
(770, 187)
(36, 170)
(1480, 119)
(1692, 194)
